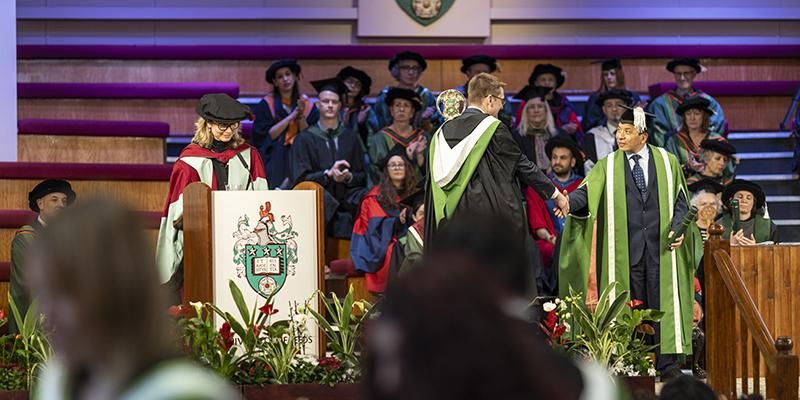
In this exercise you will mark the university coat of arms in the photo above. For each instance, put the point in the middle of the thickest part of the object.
(425, 12)
(265, 255)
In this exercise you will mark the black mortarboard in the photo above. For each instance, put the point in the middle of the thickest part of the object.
(741, 184)
(269, 76)
(478, 59)
(611, 63)
(696, 102)
(708, 185)
(334, 85)
(692, 62)
(531, 91)
(219, 107)
(408, 55)
(627, 116)
(567, 142)
(415, 199)
(366, 81)
(625, 95)
(547, 69)
(397, 150)
(401, 93)
(720, 146)
(50, 186)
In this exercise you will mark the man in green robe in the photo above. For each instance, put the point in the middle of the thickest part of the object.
(625, 214)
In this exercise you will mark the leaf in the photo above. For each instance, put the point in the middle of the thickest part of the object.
(29, 323)
(235, 325)
(239, 300)
(616, 307)
(14, 310)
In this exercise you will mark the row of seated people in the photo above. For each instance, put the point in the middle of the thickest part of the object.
(284, 112)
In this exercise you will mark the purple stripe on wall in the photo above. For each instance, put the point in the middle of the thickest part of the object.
(387, 51)
(169, 90)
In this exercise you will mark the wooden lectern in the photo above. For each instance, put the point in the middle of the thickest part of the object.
(198, 257)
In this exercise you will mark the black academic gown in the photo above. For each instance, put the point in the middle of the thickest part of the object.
(495, 185)
(311, 156)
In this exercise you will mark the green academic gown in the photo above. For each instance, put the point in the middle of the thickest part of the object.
(17, 287)
(605, 185)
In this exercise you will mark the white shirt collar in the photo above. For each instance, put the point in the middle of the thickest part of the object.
(41, 221)
(644, 153)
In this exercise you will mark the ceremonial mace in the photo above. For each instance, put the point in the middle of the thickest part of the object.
(687, 219)
(451, 103)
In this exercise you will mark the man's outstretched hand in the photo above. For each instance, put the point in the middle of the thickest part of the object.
(562, 205)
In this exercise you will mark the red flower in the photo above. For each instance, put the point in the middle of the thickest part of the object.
(550, 320)
(330, 363)
(226, 340)
(268, 309)
(257, 329)
(2, 314)
(635, 303)
(178, 312)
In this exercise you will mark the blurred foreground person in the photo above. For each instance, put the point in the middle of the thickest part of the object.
(97, 286)
(445, 333)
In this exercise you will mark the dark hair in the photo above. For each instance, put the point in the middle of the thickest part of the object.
(704, 127)
(487, 239)
(444, 333)
(687, 388)
(388, 194)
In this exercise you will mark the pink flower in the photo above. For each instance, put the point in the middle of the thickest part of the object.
(635, 303)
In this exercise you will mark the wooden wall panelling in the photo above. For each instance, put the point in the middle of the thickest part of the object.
(754, 113)
(140, 195)
(90, 149)
(179, 113)
(441, 74)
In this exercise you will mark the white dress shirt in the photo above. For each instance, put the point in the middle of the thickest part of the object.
(644, 162)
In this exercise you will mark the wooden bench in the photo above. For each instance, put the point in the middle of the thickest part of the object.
(143, 187)
(173, 103)
(91, 141)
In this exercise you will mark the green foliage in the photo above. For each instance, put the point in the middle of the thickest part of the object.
(23, 355)
(344, 326)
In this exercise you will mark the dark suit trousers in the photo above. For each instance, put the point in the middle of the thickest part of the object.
(645, 287)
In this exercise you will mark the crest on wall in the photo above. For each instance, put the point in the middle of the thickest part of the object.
(425, 12)
(265, 254)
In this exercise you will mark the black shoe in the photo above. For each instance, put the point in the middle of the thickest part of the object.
(670, 374)
(698, 372)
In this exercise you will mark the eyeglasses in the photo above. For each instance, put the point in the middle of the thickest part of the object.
(224, 127)
(502, 100)
(684, 74)
(395, 166)
(410, 68)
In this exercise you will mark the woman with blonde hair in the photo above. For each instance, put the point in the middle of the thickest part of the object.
(97, 286)
(536, 125)
(219, 157)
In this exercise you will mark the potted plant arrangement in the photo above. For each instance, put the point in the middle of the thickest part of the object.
(22, 355)
(612, 335)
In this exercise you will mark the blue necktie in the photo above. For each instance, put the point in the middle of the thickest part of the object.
(638, 175)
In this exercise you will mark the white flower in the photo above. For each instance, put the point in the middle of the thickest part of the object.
(567, 327)
(549, 306)
(651, 371)
(558, 301)
(567, 316)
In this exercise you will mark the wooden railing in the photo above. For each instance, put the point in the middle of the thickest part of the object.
(745, 342)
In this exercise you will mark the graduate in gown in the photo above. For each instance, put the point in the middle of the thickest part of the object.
(476, 167)
(219, 157)
(536, 125)
(718, 161)
(665, 107)
(355, 111)
(279, 117)
(630, 206)
(329, 153)
(406, 67)
(566, 119)
(755, 226)
(612, 78)
(383, 220)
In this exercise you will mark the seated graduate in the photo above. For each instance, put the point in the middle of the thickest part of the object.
(600, 140)
(404, 105)
(354, 110)
(755, 226)
(476, 64)
(564, 115)
(536, 125)
(611, 78)
(566, 165)
(694, 129)
(406, 67)
(279, 117)
(329, 153)
(97, 286)
(382, 219)
(219, 157)
(47, 199)
(718, 162)
(665, 107)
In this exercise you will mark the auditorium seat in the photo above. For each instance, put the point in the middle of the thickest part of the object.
(143, 186)
(343, 275)
(91, 141)
(171, 102)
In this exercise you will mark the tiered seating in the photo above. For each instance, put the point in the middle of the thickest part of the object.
(172, 103)
(91, 141)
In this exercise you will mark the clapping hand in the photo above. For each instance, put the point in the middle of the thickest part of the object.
(562, 205)
(362, 114)
(740, 239)
(570, 128)
(427, 113)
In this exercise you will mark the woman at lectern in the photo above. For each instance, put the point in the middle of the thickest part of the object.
(219, 157)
